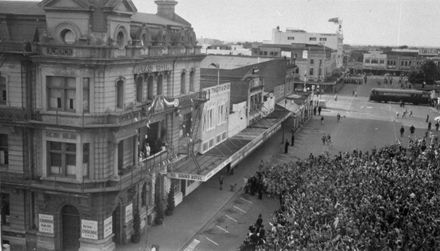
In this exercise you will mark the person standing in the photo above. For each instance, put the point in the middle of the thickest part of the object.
(338, 116)
(286, 147)
(427, 118)
(314, 111)
(220, 181)
(429, 126)
(412, 129)
(292, 143)
(402, 131)
(319, 110)
(322, 120)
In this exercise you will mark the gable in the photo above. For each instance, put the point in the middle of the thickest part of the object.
(64, 4)
(122, 5)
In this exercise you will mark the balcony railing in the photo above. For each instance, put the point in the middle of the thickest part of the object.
(156, 163)
(89, 51)
(12, 114)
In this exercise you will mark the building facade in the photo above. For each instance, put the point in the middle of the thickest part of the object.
(92, 113)
(294, 36)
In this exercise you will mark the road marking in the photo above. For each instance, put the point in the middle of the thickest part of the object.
(215, 243)
(248, 201)
(239, 209)
(231, 218)
(226, 231)
(192, 245)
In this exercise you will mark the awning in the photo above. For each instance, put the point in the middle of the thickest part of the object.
(290, 105)
(231, 151)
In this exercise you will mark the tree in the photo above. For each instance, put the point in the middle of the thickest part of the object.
(430, 71)
(416, 77)
(170, 202)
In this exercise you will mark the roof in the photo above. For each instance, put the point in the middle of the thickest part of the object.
(21, 8)
(397, 90)
(153, 19)
(231, 62)
(296, 46)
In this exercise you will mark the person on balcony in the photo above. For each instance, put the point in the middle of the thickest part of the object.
(147, 150)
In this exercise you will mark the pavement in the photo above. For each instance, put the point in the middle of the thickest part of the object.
(214, 219)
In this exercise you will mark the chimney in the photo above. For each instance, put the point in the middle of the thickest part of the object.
(165, 8)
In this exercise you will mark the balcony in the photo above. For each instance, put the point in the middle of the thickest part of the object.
(127, 177)
(12, 114)
(105, 52)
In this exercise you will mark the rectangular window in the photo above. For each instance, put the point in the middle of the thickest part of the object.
(120, 94)
(311, 72)
(3, 93)
(290, 38)
(312, 39)
(86, 159)
(322, 39)
(61, 159)
(86, 95)
(61, 93)
(381, 61)
(4, 149)
(5, 208)
(367, 61)
(312, 61)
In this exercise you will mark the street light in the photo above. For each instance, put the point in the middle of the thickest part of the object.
(218, 71)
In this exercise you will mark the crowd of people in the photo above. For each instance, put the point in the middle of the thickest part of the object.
(385, 199)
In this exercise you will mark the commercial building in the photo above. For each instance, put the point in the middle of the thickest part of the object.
(296, 36)
(93, 98)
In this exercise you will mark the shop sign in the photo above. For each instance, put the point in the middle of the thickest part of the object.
(45, 223)
(146, 68)
(89, 229)
(129, 213)
(108, 226)
(186, 176)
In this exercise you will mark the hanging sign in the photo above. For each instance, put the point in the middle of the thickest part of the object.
(89, 229)
(129, 213)
(45, 223)
(108, 226)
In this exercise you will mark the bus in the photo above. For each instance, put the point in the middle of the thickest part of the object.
(398, 95)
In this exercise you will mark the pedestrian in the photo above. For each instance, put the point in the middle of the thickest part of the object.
(259, 222)
(329, 139)
(404, 114)
(220, 180)
(322, 120)
(338, 116)
(411, 114)
(314, 111)
(245, 185)
(427, 118)
(260, 190)
(429, 126)
(397, 115)
(412, 129)
(319, 110)
(402, 131)
(286, 147)
(292, 143)
(437, 125)
(336, 97)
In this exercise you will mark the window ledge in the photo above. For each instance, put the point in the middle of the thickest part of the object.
(62, 179)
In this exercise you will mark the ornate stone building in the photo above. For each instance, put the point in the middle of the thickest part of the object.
(97, 102)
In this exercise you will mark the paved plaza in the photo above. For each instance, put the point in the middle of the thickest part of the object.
(213, 219)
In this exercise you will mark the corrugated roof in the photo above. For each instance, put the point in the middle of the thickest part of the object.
(153, 19)
(21, 8)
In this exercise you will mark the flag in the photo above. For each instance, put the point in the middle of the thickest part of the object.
(334, 20)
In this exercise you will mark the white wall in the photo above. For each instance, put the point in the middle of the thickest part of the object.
(237, 119)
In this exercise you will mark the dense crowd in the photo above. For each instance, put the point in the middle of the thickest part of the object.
(386, 199)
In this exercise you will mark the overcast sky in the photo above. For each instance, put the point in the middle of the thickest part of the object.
(376, 22)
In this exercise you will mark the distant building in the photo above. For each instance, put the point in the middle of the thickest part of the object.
(231, 49)
(296, 36)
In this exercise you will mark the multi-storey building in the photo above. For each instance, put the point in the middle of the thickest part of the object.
(93, 98)
(295, 36)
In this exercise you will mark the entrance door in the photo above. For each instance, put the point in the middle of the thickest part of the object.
(117, 225)
(71, 228)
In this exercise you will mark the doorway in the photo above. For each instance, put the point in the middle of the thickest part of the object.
(70, 228)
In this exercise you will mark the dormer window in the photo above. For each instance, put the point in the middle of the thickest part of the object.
(68, 36)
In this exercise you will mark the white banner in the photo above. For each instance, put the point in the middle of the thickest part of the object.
(89, 229)
(45, 224)
(129, 213)
(108, 226)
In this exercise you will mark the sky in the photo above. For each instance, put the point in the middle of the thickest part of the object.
(365, 22)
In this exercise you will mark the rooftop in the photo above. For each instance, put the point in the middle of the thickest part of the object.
(231, 62)
(21, 8)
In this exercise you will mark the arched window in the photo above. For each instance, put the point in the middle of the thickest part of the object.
(120, 39)
(182, 82)
(191, 81)
(120, 94)
(150, 88)
(68, 36)
(139, 82)
(159, 84)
